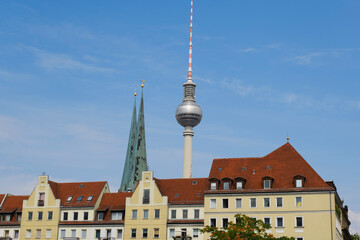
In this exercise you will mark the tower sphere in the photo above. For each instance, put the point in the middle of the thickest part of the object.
(188, 114)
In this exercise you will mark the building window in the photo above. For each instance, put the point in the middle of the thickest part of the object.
(16, 234)
(76, 215)
(267, 220)
(183, 232)
(212, 222)
(298, 201)
(41, 199)
(28, 233)
(212, 203)
(133, 233)
(69, 199)
(266, 202)
(279, 222)
(195, 233)
(299, 183)
(299, 222)
(108, 233)
(80, 198)
(172, 232)
(18, 217)
(226, 185)
(185, 214)
(62, 233)
(100, 216)
(213, 186)
(83, 233)
(239, 185)
(86, 215)
(90, 198)
(146, 214)
(173, 214)
(30, 215)
(238, 203)
(38, 233)
(145, 233)
(157, 213)
(65, 216)
(116, 215)
(119, 233)
(225, 222)
(50, 215)
(299, 238)
(196, 213)
(267, 184)
(73, 233)
(40, 215)
(156, 233)
(97, 233)
(146, 198)
(134, 214)
(279, 202)
(253, 202)
(225, 203)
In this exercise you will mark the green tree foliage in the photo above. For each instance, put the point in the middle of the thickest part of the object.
(355, 236)
(245, 228)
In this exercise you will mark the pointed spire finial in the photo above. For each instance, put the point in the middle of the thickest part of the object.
(142, 85)
(287, 138)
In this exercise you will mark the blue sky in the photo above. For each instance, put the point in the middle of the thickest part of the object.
(264, 70)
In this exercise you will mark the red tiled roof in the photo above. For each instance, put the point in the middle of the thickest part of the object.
(75, 189)
(183, 190)
(1, 198)
(285, 163)
(13, 203)
(114, 201)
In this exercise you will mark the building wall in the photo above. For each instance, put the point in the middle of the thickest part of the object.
(10, 230)
(156, 201)
(31, 205)
(315, 212)
(91, 231)
(190, 230)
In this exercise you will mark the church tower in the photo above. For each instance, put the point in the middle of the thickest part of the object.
(135, 162)
(188, 113)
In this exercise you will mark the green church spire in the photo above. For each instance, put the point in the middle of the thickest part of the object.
(130, 154)
(140, 163)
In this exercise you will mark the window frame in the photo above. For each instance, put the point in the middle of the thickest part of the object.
(225, 203)
(214, 205)
(252, 202)
(173, 213)
(236, 202)
(302, 222)
(134, 214)
(266, 198)
(267, 217)
(145, 213)
(282, 202)
(277, 222)
(301, 201)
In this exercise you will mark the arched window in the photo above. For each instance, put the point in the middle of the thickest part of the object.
(267, 182)
(299, 181)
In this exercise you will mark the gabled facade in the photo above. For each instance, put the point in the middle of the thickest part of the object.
(40, 212)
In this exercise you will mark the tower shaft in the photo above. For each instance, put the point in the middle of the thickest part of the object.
(187, 163)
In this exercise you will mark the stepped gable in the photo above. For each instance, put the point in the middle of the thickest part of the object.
(76, 189)
(283, 165)
(183, 190)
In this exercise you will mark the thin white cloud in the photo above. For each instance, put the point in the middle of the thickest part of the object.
(11, 76)
(52, 61)
(238, 86)
(88, 133)
(306, 59)
(247, 50)
(355, 222)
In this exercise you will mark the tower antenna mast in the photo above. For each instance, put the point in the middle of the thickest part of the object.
(188, 113)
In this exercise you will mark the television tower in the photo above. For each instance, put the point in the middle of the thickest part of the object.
(188, 113)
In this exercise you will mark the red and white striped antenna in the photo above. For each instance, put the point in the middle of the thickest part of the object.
(190, 45)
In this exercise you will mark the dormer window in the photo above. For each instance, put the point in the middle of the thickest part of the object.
(213, 186)
(299, 181)
(226, 185)
(267, 182)
(100, 216)
(69, 199)
(239, 185)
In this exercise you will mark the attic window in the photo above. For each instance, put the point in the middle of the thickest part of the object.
(90, 198)
(244, 168)
(267, 167)
(213, 186)
(176, 195)
(81, 185)
(220, 169)
(299, 181)
(79, 198)
(69, 199)
(194, 182)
